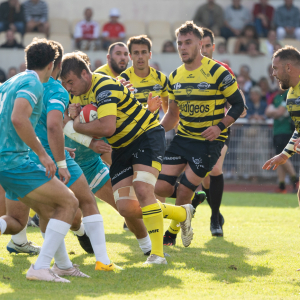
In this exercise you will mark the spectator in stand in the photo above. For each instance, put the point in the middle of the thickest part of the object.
(22, 67)
(247, 35)
(12, 71)
(273, 83)
(113, 31)
(210, 15)
(256, 105)
(87, 32)
(221, 48)
(36, 16)
(236, 18)
(268, 45)
(265, 88)
(241, 80)
(12, 16)
(282, 132)
(253, 49)
(11, 42)
(263, 16)
(287, 21)
(168, 47)
(97, 64)
(245, 71)
(156, 66)
(2, 76)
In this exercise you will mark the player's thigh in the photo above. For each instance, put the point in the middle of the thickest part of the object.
(218, 167)
(54, 194)
(81, 190)
(191, 176)
(17, 210)
(105, 193)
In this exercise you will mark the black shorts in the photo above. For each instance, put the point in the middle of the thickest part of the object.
(201, 155)
(148, 150)
(228, 138)
(280, 141)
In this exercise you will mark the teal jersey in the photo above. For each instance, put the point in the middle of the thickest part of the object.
(13, 151)
(55, 98)
(83, 155)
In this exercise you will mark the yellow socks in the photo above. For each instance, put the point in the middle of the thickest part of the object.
(153, 220)
(174, 227)
(172, 212)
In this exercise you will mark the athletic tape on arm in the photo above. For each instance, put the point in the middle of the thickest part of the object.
(75, 136)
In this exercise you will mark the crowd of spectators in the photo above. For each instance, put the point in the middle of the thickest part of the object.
(237, 21)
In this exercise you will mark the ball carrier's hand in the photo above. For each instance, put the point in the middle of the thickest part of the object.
(74, 110)
(275, 161)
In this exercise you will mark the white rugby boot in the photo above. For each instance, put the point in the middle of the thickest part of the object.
(186, 226)
(28, 247)
(44, 275)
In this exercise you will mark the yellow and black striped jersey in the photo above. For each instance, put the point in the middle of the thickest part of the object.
(201, 96)
(112, 98)
(105, 70)
(293, 105)
(156, 83)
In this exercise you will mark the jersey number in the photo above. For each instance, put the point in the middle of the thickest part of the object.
(2, 99)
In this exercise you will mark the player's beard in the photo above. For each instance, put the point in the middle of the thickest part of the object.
(284, 82)
(115, 66)
(192, 57)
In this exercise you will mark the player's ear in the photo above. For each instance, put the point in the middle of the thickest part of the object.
(130, 56)
(214, 46)
(150, 55)
(108, 57)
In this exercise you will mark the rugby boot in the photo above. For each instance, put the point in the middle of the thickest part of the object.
(73, 271)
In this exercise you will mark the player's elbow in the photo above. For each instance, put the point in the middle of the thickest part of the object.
(108, 131)
(53, 128)
(17, 121)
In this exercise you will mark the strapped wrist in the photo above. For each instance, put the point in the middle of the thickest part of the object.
(221, 126)
(62, 164)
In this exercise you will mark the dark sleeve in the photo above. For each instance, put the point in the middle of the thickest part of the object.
(237, 105)
(3, 12)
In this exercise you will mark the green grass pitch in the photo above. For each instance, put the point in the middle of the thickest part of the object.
(257, 258)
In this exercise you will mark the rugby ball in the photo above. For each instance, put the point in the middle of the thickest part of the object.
(88, 113)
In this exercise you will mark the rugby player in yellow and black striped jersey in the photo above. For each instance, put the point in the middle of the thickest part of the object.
(138, 143)
(117, 60)
(197, 94)
(144, 78)
(286, 69)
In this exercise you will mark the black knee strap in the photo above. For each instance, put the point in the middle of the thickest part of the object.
(188, 184)
(168, 178)
(174, 195)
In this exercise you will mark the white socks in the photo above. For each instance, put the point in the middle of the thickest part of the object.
(145, 244)
(61, 257)
(80, 231)
(3, 225)
(21, 237)
(54, 236)
(95, 231)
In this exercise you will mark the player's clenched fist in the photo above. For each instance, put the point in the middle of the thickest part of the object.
(74, 110)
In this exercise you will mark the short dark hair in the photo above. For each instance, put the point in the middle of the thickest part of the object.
(112, 46)
(139, 40)
(208, 33)
(60, 50)
(288, 53)
(39, 53)
(190, 27)
(85, 57)
(75, 63)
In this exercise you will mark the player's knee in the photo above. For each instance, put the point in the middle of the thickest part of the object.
(165, 185)
(143, 183)
(217, 170)
(184, 181)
